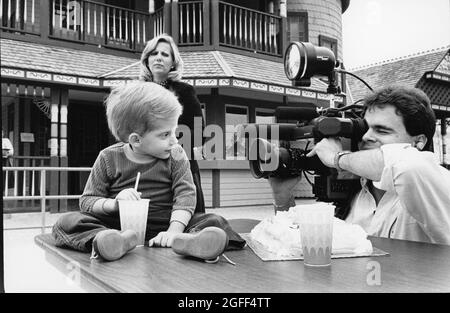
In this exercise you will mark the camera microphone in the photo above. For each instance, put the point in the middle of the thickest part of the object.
(296, 113)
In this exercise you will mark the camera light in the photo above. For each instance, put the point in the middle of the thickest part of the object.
(303, 60)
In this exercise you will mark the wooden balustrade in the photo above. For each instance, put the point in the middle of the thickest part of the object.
(191, 23)
(20, 16)
(249, 29)
(100, 24)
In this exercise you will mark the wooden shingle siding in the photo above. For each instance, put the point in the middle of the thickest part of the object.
(303, 188)
(206, 178)
(239, 187)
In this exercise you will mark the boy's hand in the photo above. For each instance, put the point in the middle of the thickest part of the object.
(129, 194)
(163, 239)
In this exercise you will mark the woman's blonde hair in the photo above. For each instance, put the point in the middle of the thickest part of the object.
(177, 67)
(135, 107)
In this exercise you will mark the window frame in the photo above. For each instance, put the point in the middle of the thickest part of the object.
(333, 41)
(303, 14)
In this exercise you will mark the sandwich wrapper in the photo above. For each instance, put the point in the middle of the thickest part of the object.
(278, 238)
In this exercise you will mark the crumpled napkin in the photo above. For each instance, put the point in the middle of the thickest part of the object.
(280, 234)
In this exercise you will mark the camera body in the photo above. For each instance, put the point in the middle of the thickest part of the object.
(305, 126)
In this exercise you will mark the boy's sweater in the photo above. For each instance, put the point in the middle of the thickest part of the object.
(167, 183)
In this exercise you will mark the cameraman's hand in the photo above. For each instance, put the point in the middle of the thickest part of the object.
(326, 150)
(129, 194)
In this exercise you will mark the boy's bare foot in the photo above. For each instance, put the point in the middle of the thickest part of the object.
(207, 244)
(112, 244)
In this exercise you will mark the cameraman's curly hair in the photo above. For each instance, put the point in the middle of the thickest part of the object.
(412, 104)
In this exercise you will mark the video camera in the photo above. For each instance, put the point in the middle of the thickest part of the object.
(300, 127)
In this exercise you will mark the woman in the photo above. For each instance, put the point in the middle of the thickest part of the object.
(161, 63)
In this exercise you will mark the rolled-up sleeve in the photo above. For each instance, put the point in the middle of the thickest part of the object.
(422, 185)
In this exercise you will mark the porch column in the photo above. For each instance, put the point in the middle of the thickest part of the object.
(214, 29)
(283, 15)
(215, 115)
(175, 22)
(167, 16)
(44, 15)
(444, 141)
(207, 25)
(63, 161)
(54, 159)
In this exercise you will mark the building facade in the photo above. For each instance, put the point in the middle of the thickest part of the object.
(428, 71)
(60, 58)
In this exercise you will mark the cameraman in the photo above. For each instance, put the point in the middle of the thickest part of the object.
(404, 193)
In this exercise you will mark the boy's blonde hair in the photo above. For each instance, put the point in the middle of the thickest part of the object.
(177, 68)
(136, 106)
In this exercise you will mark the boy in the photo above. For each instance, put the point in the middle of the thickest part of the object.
(143, 117)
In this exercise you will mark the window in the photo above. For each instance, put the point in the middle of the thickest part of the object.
(234, 145)
(297, 26)
(264, 116)
(330, 43)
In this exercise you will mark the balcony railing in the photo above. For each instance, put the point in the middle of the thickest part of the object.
(248, 29)
(100, 24)
(191, 23)
(20, 16)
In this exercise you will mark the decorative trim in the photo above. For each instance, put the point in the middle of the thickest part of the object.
(440, 107)
(113, 83)
(12, 72)
(276, 89)
(199, 82)
(64, 78)
(88, 81)
(438, 76)
(293, 92)
(39, 75)
(338, 99)
(325, 96)
(188, 81)
(258, 86)
(241, 83)
(309, 94)
(224, 82)
(206, 82)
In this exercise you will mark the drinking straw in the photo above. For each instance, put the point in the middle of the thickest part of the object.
(137, 180)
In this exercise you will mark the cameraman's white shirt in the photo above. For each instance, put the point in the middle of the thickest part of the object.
(416, 205)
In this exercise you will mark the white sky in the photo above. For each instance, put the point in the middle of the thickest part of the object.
(378, 30)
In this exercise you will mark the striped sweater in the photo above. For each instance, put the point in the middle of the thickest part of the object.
(167, 183)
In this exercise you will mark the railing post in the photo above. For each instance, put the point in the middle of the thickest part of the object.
(175, 22)
(284, 40)
(207, 24)
(45, 18)
(214, 26)
(54, 135)
(63, 162)
(167, 17)
(42, 194)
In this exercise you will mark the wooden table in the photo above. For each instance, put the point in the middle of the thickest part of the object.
(410, 267)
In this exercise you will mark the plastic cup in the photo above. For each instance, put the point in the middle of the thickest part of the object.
(316, 231)
(133, 215)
